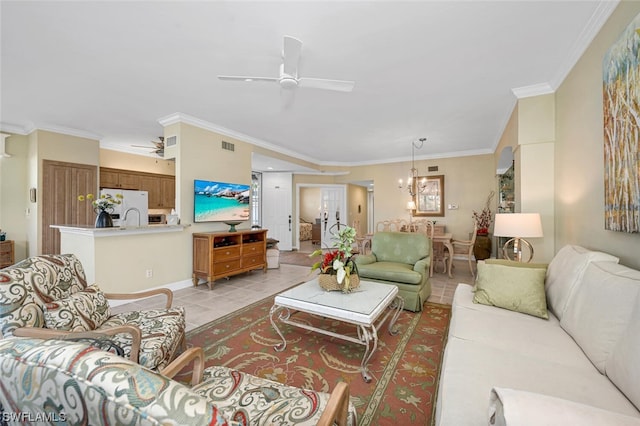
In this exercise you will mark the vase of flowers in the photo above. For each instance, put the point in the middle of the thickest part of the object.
(103, 206)
(338, 269)
(482, 245)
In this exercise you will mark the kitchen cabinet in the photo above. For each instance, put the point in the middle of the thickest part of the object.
(223, 254)
(119, 179)
(168, 192)
(161, 188)
(6, 254)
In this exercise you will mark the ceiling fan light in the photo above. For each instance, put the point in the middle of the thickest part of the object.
(288, 82)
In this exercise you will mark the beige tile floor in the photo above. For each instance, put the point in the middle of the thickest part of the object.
(203, 305)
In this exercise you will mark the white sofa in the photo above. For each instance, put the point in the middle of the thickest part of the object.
(579, 367)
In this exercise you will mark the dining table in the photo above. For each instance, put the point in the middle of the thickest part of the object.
(446, 239)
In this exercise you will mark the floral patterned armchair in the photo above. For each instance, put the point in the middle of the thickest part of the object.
(76, 383)
(48, 296)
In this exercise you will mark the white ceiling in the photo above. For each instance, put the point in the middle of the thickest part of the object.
(449, 71)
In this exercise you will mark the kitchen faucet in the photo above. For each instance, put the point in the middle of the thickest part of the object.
(124, 219)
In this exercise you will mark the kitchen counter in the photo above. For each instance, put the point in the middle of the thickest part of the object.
(117, 231)
(125, 260)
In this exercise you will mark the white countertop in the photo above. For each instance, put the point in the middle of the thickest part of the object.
(117, 231)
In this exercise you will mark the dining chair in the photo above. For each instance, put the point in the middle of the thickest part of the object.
(383, 226)
(397, 225)
(467, 246)
(426, 227)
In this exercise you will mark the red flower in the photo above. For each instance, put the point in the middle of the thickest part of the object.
(327, 261)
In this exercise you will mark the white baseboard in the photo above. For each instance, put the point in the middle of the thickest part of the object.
(178, 285)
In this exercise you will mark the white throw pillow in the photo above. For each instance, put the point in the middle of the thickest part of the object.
(598, 314)
(565, 272)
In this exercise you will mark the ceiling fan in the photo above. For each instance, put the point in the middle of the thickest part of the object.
(289, 78)
(159, 147)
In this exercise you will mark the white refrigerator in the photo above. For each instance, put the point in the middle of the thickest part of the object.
(135, 204)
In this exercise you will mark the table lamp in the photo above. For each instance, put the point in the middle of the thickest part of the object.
(518, 226)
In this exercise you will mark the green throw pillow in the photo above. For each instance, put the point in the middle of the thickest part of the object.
(515, 263)
(512, 287)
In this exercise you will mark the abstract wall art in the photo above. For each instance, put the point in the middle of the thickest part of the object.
(621, 107)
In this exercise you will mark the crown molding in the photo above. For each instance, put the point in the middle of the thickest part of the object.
(532, 90)
(203, 124)
(31, 127)
(15, 129)
(67, 131)
(206, 125)
(600, 15)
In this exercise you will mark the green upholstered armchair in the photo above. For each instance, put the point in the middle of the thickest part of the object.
(402, 259)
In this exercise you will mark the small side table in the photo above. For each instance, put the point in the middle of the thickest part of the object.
(7, 257)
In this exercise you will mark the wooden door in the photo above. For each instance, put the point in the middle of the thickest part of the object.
(61, 185)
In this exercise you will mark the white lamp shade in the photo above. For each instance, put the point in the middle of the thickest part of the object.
(411, 205)
(521, 225)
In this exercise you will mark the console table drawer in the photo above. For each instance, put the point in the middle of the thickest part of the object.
(226, 253)
(220, 268)
(254, 260)
(253, 248)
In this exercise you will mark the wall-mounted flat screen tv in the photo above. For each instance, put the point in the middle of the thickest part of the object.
(220, 201)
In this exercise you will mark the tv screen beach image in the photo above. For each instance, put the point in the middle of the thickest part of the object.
(220, 202)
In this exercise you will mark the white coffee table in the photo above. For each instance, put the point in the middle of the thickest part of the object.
(363, 307)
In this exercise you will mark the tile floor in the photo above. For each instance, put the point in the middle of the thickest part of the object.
(203, 305)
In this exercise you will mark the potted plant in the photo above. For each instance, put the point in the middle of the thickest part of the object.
(482, 246)
(338, 269)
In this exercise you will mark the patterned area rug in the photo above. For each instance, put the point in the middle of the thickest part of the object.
(405, 368)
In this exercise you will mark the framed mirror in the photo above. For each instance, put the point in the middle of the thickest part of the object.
(430, 202)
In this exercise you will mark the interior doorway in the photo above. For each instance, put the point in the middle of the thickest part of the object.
(324, 206)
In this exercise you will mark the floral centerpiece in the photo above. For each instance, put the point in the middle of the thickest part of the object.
(338, 269)
(103, 206)
(104, 203)
(484, 219)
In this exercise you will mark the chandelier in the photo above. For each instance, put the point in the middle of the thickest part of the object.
(413, 185)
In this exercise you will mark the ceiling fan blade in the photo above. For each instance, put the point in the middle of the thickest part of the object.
(246, 78)
(291, 55)
(321, 83)
(142, 146)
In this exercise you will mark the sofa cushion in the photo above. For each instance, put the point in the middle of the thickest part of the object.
(513, 332)
(471, 369)
(253, 400)
(522, 408)
(82, 311)
(390, 271)
(516, 288)
(598, 314)
(623, 366)
(162, 333)
(565, 272)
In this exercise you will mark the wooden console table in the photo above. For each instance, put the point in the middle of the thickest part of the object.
(7, 257)
(223, 254)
